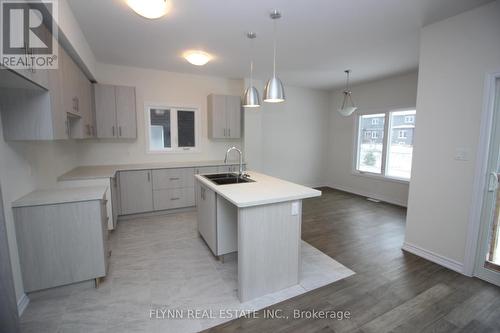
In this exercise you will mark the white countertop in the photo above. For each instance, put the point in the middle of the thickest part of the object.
(64, 195)
(265, 190)
(109, 171)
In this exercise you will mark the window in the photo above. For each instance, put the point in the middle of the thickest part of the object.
(370, 147)
(171, 129)
(386, 155)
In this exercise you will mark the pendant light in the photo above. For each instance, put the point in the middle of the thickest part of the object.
(251, 97)
(274, 91)
(347, 105)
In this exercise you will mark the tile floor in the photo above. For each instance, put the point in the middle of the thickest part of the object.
(160, 262)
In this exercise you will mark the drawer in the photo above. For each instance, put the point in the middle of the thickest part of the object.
(173, 198)
(173, 178)
(206, 170)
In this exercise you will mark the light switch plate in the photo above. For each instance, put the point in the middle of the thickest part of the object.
(295, 208)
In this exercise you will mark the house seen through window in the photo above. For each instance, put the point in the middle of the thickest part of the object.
(172, 129)
(386, 154)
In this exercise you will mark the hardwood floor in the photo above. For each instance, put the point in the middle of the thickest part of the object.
(392, 291)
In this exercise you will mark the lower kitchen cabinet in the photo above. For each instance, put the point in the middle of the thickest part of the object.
(136, 191)
(115, 200)
(142, 191)
(62, 243)
(217, 221)
(207, 215)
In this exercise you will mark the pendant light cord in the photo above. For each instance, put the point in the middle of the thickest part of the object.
(251, 62)
(274, 55)
(347, 81)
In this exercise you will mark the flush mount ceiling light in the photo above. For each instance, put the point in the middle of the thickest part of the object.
(347, 105)
(251, 97)
(197, 58)
(151, 9)
(274, 91)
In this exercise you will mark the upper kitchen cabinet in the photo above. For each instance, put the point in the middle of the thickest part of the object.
(224, 117)
(60, 110)
(115, 111)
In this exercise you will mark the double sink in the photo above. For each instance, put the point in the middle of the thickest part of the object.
(228, 178)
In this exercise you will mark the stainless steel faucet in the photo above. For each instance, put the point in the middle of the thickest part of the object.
(241, 159)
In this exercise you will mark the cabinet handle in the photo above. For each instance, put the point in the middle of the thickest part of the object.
(113, 129)
(174, 178)
(119, 131)
(224, 132)
(149, 177)
(229, 131)
(173, 199)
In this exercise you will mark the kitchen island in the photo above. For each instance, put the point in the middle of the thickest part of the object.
(261, 220)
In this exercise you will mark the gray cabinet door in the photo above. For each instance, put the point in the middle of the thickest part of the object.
(125, 112)
(85, 106)
(8, 306)
(217, 123)
(105, 111)
(71, 80)
(136, 191)
(233, 117)
(207, 219)
(115, 207)
(59, 117)
(61, 243)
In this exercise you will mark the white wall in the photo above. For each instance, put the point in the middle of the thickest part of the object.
(372, 97)
(455, 55)
(165, 88)
(23, 168)
(289, 140)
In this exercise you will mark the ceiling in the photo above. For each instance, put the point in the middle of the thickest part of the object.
(317, 39)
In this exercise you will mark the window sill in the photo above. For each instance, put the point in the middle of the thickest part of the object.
(380, 177)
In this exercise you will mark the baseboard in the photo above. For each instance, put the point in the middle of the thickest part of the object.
(434, 257)
(369, 195)
(22, 304)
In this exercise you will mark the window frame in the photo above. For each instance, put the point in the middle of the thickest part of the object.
(174, 138)
(387, 136)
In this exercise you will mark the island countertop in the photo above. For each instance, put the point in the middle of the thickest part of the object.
(264, 190)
